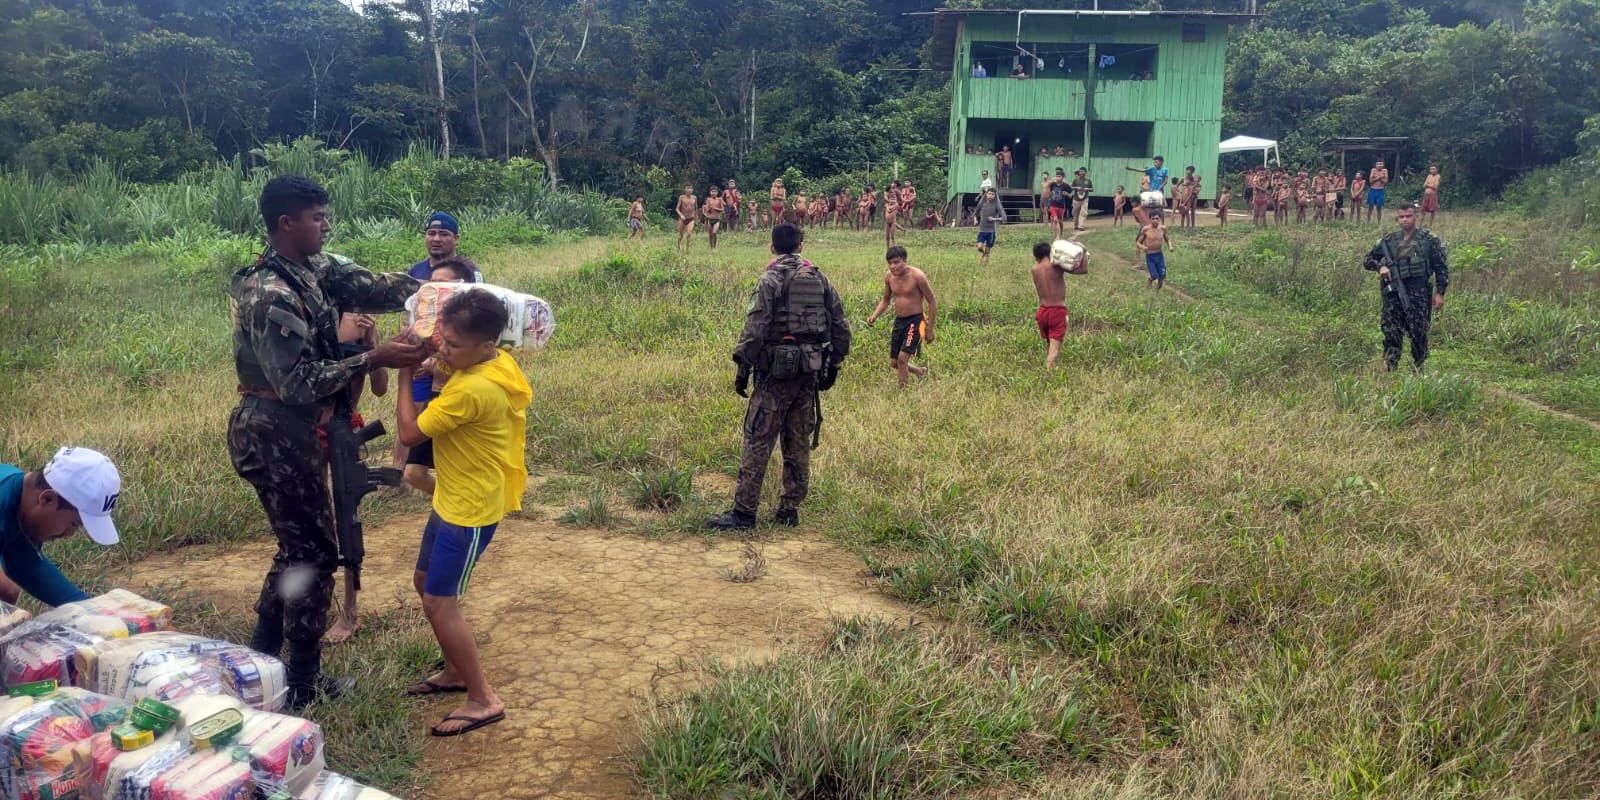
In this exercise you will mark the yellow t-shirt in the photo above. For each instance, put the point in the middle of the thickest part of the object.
(478, 425)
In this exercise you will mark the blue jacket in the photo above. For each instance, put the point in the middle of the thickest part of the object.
(19, 557)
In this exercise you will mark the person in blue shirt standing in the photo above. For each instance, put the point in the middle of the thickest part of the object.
(1157, 173)
(78, 488)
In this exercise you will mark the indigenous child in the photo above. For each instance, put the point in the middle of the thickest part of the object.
(1224, 197)
(688, 209)
(1302, 196)
(750, 215)
(1050, 283)
(1282, 198)
(1358, 195)
(1319, 190)
(1151, 246)
(478, 426)
(358, 333)
(915, 310)
(908, 200)
(872, 203)
(990, 215)
(1377, 185)
(1119, 201)
(1430, 193)
(713, 210)
(636, 218)
(1258, 203)
(931, 219)
(778, 195)
(864, 209)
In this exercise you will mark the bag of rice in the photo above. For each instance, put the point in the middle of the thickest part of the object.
(529, 326)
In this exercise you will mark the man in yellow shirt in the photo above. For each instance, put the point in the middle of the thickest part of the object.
(478, 426)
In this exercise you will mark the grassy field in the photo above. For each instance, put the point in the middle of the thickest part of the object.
(1216, 552)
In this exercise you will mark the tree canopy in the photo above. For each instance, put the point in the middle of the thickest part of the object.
(620, 94)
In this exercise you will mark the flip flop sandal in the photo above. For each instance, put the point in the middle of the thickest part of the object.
(433, 688)
(477, 722)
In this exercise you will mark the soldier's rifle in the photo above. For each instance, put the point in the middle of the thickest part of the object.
(353, 480)
(1393, 284)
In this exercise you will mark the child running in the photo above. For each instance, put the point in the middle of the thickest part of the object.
(478, 426)
(1150, 245)
(914, 312)
(1050, 282)
(713, 210)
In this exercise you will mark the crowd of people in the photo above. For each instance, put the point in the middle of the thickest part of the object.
(727, 209)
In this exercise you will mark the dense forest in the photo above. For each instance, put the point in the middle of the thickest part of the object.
(615, 94)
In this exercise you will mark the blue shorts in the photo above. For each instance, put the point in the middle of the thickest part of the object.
(448, 554)
(986, 238)
(1375, 198)
(1156, 265)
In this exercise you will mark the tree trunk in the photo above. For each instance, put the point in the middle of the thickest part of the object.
(477, 108)
(431, 27)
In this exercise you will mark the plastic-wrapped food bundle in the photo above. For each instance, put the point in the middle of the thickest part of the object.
(204, 775)
(333, 786)
(116, 774)
(98, 615)
(283, 752)
(44, 750)
(530, 325)
(167, 665)
(11, 617)
(39, 650)
(1152, 199)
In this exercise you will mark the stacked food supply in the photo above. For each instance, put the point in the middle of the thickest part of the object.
(104, 702)
(529, 325)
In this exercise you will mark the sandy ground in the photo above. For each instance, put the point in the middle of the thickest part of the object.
(575, 623)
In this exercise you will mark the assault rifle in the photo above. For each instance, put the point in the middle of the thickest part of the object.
(1393, 284)
(353, 480)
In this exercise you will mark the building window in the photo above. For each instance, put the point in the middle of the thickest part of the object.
(1121, 139)
(1194, 31)
(1125, 62)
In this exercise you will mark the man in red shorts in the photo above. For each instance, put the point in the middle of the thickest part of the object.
(1050, 281)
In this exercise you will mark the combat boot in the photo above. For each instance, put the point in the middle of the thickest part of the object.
(306, 681)
(323, 688)
(787, 516)
(733, 520)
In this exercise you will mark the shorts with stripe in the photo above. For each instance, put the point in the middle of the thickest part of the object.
(448, 554)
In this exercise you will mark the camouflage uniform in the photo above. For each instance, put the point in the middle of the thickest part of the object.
(783, 410)
(286, 353)
(1417, 261)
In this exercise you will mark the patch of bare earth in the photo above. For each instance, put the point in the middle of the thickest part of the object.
(575, 625)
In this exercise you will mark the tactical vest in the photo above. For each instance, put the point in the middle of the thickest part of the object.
(1410, 258)
(800, 320)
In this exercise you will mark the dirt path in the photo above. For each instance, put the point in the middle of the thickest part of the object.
(577, 623)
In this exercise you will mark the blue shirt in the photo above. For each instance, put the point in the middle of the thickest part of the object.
(1158, 177)
(421, 270)
(20, 558)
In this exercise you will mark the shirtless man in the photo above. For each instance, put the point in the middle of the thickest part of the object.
(1151, 246)
(1377, 183)
(1319, 202)
(819, 209)
(841, 202)
(1358, 195)
(797, 211)
(864, 209)
(732, 198)
(1258, 202)
(750, 215)
(1224, 197)
(914, 312)
(891, 212)
(1283, 195)
(713, 211)
(1302, 196)
(1050, 283)
(688, 209)
(1119, 201)
(1430, 193)
(778, 196)
(636, 218)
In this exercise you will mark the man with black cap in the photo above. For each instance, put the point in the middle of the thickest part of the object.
(78, 488)
(286, 310)
(440, 235)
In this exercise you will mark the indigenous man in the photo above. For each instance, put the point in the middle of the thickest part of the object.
(688, 209)
(891, 213)
(1377, 185)
(1151, 246)
(1056, 206)
(1319, 201)
(1258, 202)
(1407, 261)
(713, 211)
(636, 218)
(914, 309)
(798, 210)
(778, 195)
(864, 209)
(731, 197)
(286, 309)
(1050, 283)
(1302, 196)
(1430, 193)
(1358, 195)
(795, 338)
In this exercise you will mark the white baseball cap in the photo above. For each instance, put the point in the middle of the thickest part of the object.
(90, 482)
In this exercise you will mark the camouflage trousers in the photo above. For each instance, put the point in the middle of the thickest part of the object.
(1397, 324)
(783, 411)
(274, 447)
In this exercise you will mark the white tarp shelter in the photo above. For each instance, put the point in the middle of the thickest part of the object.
(1240, 144)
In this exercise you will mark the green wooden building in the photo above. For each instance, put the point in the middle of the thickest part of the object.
(1112, 89)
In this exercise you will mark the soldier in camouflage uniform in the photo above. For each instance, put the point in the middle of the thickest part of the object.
(286, 310)
(1407, 260)
(795, 337)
